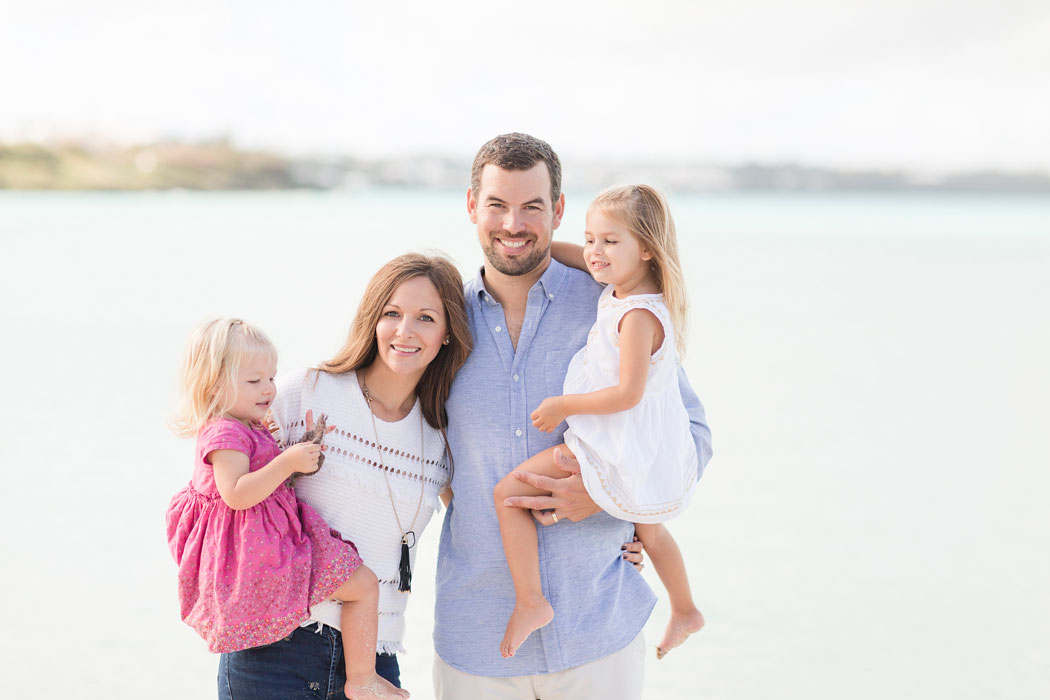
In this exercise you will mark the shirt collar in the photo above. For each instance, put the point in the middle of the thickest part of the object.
(550, 282)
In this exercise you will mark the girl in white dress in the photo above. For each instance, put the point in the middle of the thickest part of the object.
(627, 425)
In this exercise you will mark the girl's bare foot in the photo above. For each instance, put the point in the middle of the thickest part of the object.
(374, 688)
(679, 629)
(528, 616)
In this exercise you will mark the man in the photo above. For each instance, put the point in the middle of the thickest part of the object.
(529, 315)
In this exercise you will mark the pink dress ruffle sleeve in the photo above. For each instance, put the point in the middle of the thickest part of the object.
(248, 577)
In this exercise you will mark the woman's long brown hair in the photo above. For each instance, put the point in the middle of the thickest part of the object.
(360, 349)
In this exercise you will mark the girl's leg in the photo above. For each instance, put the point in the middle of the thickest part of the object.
(531, 608)
(359, 621)
(388, 668)
(668, 562)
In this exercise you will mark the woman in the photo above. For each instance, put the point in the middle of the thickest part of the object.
(385, 467)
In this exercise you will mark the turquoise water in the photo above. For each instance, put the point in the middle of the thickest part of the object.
(874, 367)
(947, 222)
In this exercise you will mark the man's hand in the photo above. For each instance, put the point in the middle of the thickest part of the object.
(549, 414)
(543, 507)
(568, 500)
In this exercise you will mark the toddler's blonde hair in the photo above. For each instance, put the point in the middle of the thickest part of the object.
(213, 357)
(643, 211)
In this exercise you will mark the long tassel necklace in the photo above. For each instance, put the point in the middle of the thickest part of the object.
(404, 567)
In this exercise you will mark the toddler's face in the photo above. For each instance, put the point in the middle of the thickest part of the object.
(613, 255)
(254, 388)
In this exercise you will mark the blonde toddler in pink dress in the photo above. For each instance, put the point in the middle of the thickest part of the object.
(253, 558)
(248, 577)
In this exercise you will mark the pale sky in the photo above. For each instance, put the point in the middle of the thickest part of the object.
(921, 84)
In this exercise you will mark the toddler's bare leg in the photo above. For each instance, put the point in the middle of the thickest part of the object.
(531, 608)
(359, 621)
(668, 562)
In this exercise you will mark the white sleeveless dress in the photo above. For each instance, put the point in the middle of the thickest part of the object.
(639, 464)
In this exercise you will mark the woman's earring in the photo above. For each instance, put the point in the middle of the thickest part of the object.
(445, 341)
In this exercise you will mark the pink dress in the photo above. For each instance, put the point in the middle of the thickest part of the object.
(248, 577)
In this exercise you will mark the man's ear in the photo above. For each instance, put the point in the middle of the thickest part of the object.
(472, 206)
(559, 211)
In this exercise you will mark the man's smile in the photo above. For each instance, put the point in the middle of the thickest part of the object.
(513, 244)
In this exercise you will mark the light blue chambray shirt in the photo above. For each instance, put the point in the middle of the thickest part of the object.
(600, 601)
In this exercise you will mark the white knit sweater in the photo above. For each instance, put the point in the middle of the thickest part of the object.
(350, 491)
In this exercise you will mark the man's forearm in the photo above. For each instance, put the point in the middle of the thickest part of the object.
(697, 422)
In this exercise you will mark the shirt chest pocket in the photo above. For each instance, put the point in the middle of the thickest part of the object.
(555, 364)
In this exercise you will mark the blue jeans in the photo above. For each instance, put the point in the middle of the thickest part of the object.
(304, 665)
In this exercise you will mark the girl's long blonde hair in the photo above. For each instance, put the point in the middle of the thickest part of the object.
(213, 357)
(643, 211)
(360, 349)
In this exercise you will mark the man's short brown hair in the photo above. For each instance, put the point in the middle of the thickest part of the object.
(517, 152)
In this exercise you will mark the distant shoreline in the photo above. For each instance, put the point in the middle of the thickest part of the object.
(219, 166)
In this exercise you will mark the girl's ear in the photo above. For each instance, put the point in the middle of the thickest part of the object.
(646, 254)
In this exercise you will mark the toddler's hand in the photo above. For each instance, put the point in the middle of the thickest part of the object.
(302, 457)
(549, 414)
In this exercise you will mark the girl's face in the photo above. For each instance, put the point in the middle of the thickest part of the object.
(411, 327)
(254, 386)
(612, 253)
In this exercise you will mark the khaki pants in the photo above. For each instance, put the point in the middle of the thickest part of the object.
(617, 676)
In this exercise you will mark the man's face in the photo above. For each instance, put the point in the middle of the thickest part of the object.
(515, 217)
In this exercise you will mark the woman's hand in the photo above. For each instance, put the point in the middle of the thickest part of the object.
(549, 414)
(309, 421)
(633, 552)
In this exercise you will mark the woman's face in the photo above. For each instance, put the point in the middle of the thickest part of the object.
(411, 327)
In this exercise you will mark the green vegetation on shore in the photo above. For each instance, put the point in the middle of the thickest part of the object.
(218, 165)
(75, 166)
